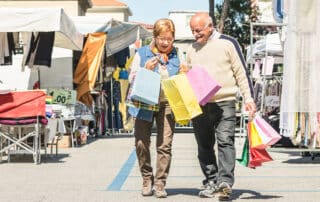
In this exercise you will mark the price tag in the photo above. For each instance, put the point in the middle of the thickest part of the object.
(272, 101)
(63, 96)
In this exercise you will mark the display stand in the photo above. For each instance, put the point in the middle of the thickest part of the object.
(275, 75)
(21, 110)
(265, 55)
(244, 118)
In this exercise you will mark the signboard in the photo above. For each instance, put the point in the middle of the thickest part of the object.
(63, 96)
(272, 101)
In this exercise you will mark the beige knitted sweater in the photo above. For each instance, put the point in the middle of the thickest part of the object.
(221, 56)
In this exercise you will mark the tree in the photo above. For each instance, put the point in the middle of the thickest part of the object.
(236, 20)
(211, 10)
(224, 14)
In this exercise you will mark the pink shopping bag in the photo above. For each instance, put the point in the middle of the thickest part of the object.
(271, 135)
(254, 137)
(265, 137)
(203, 85)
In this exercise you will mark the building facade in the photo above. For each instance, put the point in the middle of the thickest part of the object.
(71, 7)
(110, 9)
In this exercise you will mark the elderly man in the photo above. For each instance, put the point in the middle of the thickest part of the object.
(221, 56)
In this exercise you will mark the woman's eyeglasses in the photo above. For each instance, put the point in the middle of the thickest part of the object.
(163, 39)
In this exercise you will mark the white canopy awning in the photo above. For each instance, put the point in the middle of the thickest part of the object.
(119, 34)
(270, 45)
(42, 20)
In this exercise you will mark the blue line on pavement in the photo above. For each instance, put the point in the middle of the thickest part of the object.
(123, 174)
(256, 190)
(240, 176)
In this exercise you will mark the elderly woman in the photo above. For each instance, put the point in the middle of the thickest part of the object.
(160, 56)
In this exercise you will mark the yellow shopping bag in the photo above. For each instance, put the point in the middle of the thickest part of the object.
(255, 140)
(181, 98)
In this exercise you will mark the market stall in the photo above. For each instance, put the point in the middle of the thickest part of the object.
(298, 117)
(33, 31)
(119, 36)
(22, 22)
(300, 110)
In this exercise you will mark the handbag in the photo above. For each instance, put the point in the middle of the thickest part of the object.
(203, 85)
(244, 160)
(269, 136)
(257, 157)
(181, 98)
(255, 140)
(257, 152)
(253, 157)
(146, 87)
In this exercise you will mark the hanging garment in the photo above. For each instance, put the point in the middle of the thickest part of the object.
(122, 57)
(257, 93)
(40, 52)
(113, 97)
(301, 61)
(87, 69)
(10, 48)
(4, 47)
(124, 85)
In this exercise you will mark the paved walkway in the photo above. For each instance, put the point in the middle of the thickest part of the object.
(106, 170)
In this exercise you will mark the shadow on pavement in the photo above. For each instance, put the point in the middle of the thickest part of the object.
(183, 191)
(54, 158)
(28, 158)
(117, 136)
(303, 160)
(236, 194)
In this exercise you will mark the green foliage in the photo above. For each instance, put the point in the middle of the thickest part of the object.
(146, 41)
(237, 23)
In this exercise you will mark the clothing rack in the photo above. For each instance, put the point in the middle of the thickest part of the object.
(117, 114)
(264, 76)
(278, 77)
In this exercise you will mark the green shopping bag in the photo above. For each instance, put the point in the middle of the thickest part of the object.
(245, 154)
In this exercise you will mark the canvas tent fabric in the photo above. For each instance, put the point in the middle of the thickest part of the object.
(42, 20)
(18, 110)
(89, 24)
(22, 104)
(87, 69)
(120, 34)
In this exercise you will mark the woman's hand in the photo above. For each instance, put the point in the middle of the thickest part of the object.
(152, 63)
(184, 68)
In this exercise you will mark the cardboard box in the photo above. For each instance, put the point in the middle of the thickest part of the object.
(64, 142)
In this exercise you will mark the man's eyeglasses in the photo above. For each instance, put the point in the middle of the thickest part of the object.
(197, 30)
(162, 40)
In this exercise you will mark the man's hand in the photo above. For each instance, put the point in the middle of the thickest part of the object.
(251, 108)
